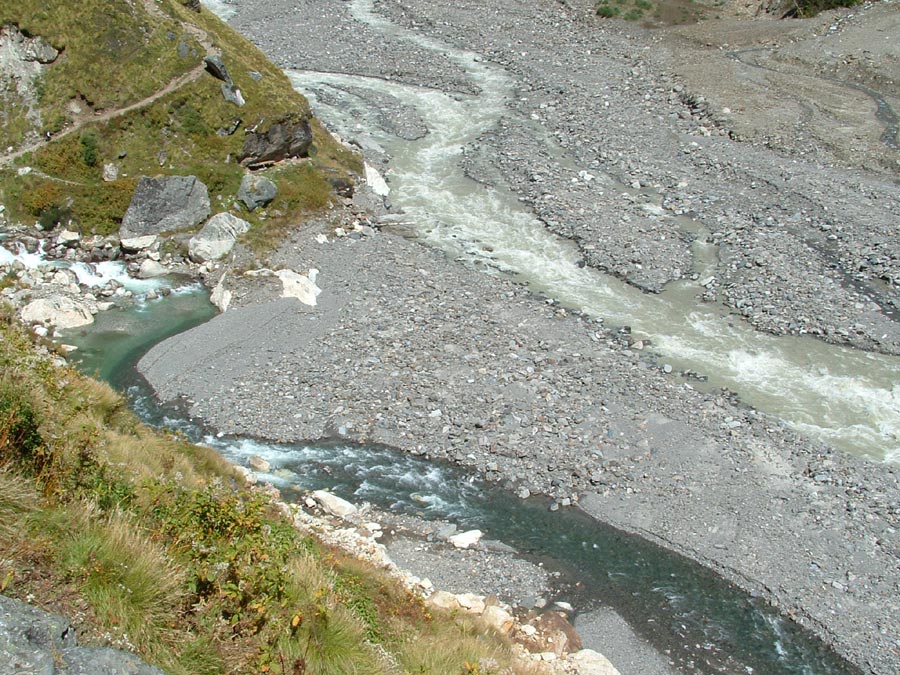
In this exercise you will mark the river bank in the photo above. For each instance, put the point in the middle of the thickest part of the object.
(411, 350)
(417, 352)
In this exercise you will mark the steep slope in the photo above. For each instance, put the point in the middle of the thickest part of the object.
(96, 94)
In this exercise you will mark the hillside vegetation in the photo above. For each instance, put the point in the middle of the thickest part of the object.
(129, 89)
(161, 551)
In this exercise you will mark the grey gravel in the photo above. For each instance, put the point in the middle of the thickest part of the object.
(409, 349)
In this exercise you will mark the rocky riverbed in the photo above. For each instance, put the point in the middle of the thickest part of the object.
(407, 348)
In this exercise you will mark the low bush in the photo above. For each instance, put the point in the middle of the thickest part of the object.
(803, 9)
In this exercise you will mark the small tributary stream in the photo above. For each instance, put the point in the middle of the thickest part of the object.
(699, 620)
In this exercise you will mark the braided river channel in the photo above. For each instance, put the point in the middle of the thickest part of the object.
(847, 398)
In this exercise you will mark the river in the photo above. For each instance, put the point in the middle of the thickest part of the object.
(703, 623)
(845, 397)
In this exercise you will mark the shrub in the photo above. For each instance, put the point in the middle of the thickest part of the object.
(20, 438)
(89, 148)
(607, 12)
(804, 9)
(53, 216)
(41, 196)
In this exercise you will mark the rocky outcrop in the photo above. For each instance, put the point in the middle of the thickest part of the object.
(256, 191)
(38, 49)
(215, 66)
(22, 64)
(217, 237)
(34, 641)
(282, 141)
(165, 204)
(232, 94)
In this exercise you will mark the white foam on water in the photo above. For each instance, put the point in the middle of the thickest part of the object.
(224, 9)
(28, 260)
(97, 275)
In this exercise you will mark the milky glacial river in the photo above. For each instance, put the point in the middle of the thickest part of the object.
(845, 397)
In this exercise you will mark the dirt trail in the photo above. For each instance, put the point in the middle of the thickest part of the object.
(81, 120)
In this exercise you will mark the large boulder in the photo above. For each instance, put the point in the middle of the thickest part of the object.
(215, 66)
(217, 237)
(34, 641)
(151, 269)
(165, 204)
(59, 311)
(137, 244)
(256, 191)
(300, 286)
(281, 141)
(590, 662)
(38, 49)
(466, 539)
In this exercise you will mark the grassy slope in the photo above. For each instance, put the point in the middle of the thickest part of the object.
(118, 53)
(161, 551)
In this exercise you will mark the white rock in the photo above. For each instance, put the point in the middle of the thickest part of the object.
(135, 244)
(466, 539)
(443, 600)
(499, 619)
(216, 239)
(334, 504)
(299, 286)
(59, 311)
(592, 663)
(564, 606)
(471, 602)
(67, 237)
(321, 238)
(376, 182)
(221, 296)
(150, 269)
(257, 463)
(110, 172)
(64, 278)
